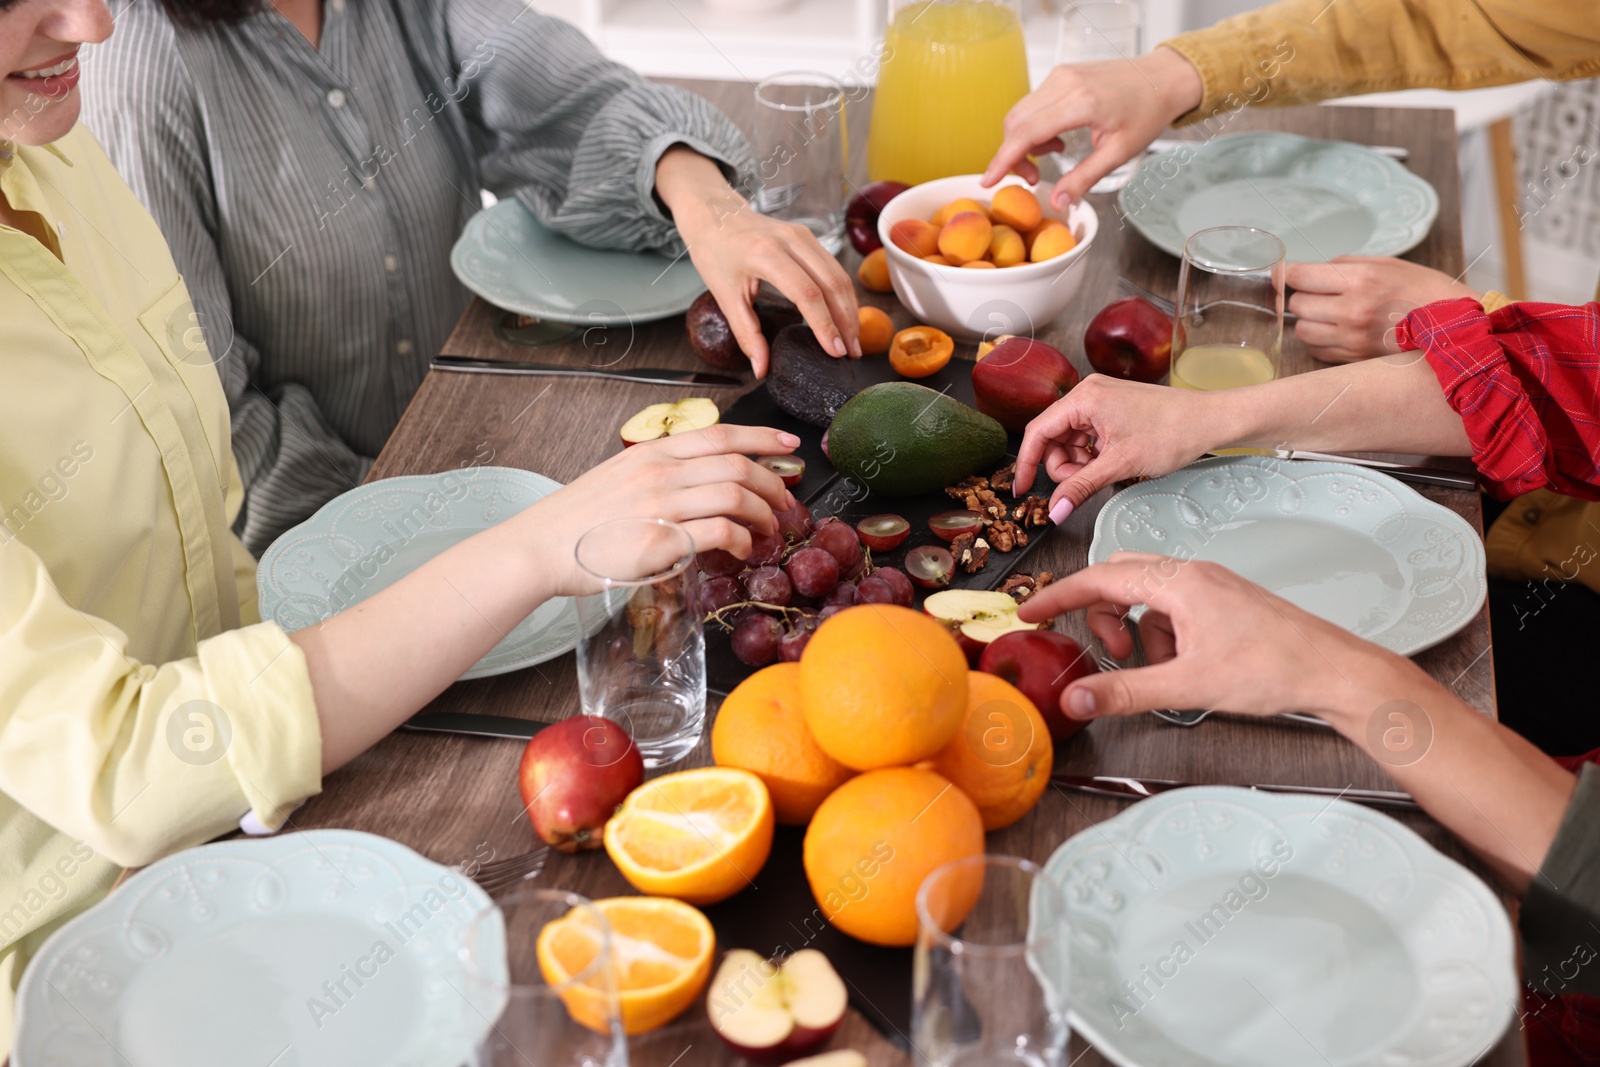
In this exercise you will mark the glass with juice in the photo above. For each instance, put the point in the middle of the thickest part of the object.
(951, 69)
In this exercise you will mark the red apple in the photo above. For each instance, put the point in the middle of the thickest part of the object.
(573, 775)
(1041, 663)
(1132, 339)
(772, 1013)
(668, 418)
(861, 214)
(977, 617)
(1019, 378)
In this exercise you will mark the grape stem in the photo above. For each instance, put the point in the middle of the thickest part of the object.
(717, 616)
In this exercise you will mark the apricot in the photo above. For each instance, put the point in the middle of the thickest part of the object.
(985, 347)
(920, 351)
(955, 207)
(937, 260)
(877, 332)
(978, 264)
(915, 236)
(874, 272)
(1005, 247)
(1050, 242)
(965, 237)
(1015, 207)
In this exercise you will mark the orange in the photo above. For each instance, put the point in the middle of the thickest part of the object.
(876, 838)
(661, 955)
(877, 331)
(919, 351)
(697, 835)
(760, 729)
(1002, 754)
(882, 685)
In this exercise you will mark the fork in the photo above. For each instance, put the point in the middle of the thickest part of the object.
(503, 874)
(1192, 718)
(1170, 308)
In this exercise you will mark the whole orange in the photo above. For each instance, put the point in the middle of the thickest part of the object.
(1002, 754)
(875, 839)
(882, 686)
(760, 729)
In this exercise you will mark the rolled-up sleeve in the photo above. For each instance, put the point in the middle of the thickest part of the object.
(1525, 380)
(1561, 911)
(573, 135)
(140, 759)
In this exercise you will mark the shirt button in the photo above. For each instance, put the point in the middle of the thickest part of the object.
(404, 348)
(368, 183)
(391, 264)
(336, 98)
(1531, 516)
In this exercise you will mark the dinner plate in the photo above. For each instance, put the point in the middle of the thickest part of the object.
(1218, 926)
(1345, 543)
(365, 540)
(505, 256)
(317, 949)
(1322, 198)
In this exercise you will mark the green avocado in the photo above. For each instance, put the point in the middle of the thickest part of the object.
(903, 439)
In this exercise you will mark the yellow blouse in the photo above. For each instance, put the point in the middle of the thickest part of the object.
(143, 705)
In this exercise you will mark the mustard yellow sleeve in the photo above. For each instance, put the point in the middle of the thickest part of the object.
(1493, 301)
(140, 759)
(1303, 51)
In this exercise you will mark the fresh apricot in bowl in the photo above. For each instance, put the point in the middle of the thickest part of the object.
(937, 260)
(965, 237)
(1005, 246)
(876, 330)
(916, 237)
(874, 272)
(955, 207)
(1050, 242)
(1014, 206)
(977, 264)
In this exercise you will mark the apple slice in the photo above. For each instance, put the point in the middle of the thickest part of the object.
(772, 1013)
(666, 419)
(790, 468)
(883, 533)
(949, 525)
(930, 566)
(976, 617)
(839, 1057)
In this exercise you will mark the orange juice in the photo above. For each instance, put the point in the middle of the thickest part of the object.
(951, 70)
(1208, 367)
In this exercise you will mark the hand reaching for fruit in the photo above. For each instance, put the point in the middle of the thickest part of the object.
(736, 248)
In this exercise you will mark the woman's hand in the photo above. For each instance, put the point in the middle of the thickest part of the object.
(1216, 641)
(702, 480)
(1349, 306)
(1126, 103)
(1107, 429)
(736, 248)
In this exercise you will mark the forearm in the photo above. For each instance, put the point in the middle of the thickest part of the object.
(1491, 788)
(375, 664)
(1393, 404)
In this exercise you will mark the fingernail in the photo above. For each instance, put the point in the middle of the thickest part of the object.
(838, 346)
(788, 501)
(1080, 702)
(855, 349)
(1059, 513)
(1014, 490)
(788, 440)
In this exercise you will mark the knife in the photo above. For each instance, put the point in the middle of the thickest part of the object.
(658, 375)
(1108, 785)
(1164, 144)
(1419, 475)
(460, 722)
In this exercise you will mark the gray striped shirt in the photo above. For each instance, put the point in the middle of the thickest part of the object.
(311, 196)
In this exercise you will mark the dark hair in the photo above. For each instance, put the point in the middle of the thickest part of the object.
(197, 14)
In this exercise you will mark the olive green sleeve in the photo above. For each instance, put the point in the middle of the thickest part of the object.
(1560, 917)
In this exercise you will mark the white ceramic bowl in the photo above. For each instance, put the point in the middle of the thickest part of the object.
(972, 304)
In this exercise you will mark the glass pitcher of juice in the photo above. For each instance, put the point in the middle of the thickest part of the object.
(951, 69)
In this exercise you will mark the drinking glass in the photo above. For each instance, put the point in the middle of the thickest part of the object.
(990, 969)
(535, 1023)
(1106, 29)
(800, 153)
(641, 652)
(1228, 330)
(950, 71)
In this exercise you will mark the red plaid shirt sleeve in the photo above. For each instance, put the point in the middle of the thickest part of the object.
(1525, 380)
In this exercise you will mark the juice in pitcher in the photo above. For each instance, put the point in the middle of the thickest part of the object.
(951, 70)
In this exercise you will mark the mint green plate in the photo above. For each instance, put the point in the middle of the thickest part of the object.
(505, 256)
(318, 949)
(1322, 198)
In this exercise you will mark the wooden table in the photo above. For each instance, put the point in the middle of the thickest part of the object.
(455, 798)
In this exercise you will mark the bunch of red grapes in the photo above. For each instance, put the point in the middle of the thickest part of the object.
(797, 577)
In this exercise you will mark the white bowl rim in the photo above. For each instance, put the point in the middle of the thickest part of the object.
(1022, 271)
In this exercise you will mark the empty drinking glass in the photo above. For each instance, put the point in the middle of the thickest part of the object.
(1107, 29)
(989, 974)
(576, 1022)
(1228, 329)
(800, 153)
(641, 652)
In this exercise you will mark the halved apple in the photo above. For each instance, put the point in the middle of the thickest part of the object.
(976, 617)
(839, 1057)
(773, 1013)
(668, 418)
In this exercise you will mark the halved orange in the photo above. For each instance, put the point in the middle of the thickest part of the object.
(697, 835)
(661, 951)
